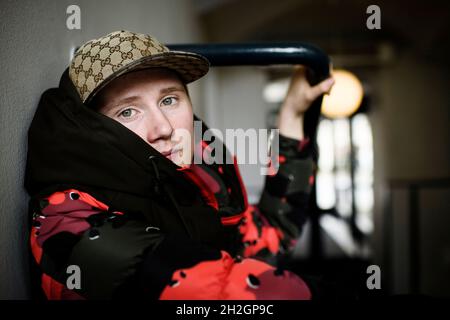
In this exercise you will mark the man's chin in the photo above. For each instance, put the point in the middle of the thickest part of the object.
(180, 161)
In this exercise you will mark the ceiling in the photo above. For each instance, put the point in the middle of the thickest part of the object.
(337, 26)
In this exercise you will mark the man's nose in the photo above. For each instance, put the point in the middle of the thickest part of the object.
(158, 126)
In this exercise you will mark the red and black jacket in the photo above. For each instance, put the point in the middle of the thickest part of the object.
(138, 226)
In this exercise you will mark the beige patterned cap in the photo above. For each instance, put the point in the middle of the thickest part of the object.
(99, 61)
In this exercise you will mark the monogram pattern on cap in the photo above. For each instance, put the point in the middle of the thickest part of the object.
(121, 51)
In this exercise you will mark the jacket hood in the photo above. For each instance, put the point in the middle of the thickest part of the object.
(68, 143)
(71, 145)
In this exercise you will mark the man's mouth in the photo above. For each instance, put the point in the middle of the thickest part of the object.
(168, 154)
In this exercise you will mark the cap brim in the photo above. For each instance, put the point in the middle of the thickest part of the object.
(189, 66)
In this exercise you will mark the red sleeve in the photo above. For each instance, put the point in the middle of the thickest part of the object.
(258, 234)
(61, 218)
(228, 279)
(63, 211)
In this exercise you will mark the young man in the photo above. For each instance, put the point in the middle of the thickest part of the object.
(115, 193)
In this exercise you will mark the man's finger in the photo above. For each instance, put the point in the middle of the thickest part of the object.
(327, 84)
(321, 88)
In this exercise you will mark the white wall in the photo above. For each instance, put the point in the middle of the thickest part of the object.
(234, 100)
(35, 50)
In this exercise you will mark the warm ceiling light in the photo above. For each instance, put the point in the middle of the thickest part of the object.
(345, 96)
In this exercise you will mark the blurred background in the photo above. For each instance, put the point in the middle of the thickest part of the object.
(383, 183)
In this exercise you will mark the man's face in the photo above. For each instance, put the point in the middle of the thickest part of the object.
(154, 104)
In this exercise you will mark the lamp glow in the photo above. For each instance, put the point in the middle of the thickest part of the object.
(345, 96)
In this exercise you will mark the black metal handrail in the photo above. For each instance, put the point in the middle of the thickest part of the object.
(267, 54)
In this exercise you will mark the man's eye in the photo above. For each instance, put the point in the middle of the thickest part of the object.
(169, 101)
(126, 113)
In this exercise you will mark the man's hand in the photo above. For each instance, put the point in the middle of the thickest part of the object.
(299, 98)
